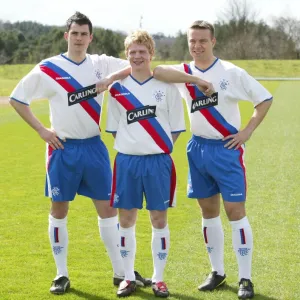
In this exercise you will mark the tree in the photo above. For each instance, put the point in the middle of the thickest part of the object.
(291, 27)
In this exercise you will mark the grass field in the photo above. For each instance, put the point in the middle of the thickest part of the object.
(272, 160)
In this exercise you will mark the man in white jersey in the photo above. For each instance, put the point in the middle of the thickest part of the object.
(216, 150)
(146, 117)
(76, 159)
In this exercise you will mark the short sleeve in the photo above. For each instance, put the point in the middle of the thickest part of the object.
(29, 88)
(250, 89)
(111, 64)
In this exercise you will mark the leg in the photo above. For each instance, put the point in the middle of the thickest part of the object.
(159, 184)
(128, 250)
(160, 250)
(242, 240)
(160, 243)
(109, 233)
(214, 240)
(203, 186)
(58, 235)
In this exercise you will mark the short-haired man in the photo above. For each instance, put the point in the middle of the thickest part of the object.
(216, 150)
(77, 160)
(146, 117)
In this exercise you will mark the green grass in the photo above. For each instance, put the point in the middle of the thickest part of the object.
(272, 161)
(11, 74)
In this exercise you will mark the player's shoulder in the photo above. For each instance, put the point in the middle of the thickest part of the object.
(229, 66)
(231, 69)
(167, 85)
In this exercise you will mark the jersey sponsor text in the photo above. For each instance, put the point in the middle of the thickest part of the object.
(82, 94)
(142, 113)
(204, 102)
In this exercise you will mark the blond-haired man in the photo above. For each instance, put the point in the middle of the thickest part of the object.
(146, 117)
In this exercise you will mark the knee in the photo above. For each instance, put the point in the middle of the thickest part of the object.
(236, 211)
(158, 221)
(127, 221)
(210, 207)
(59, 210)
(108, 212)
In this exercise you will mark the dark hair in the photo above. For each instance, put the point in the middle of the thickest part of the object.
(200, 24)
(79, 19)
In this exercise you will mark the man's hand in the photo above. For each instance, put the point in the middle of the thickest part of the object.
(238, 139)
(205, 87)
(50, 137)
(103, 84)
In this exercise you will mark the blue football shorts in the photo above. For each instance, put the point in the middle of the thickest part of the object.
(82, 168)
(136, 175)
(214, 169)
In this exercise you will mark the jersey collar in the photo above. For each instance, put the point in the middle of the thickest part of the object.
(74, 62)
(203, 71)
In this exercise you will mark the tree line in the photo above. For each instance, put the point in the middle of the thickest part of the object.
(240, 35)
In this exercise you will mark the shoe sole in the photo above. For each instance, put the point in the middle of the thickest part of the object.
(161, 295)
(127, 295)
(117, 281)
(241, 297)
(219, 285)
(60, 293)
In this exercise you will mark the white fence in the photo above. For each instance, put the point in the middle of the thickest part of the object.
(277, 78)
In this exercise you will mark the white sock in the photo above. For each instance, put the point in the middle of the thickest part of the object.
(110, 235)
(59, 241)
(214, 240)
(242, 241)
(160, 251)
(128, 250)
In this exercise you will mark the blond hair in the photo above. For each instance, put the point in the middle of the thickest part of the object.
(140, 37)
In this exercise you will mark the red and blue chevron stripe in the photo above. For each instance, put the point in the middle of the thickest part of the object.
(205, 234)
(152, 126)
(163, 243)
(243, 237)
(211, 114)
(56, 239)
(122, 241)
(90, 106)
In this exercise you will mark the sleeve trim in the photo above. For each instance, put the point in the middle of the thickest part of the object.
(269, 99)
(110, 131)
(177, 131)
(12, 98)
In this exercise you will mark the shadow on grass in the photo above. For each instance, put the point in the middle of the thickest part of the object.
(86, 295)
(144, 294)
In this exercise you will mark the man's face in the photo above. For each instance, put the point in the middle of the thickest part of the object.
(201, 43)
(78, 37)
(139, 57)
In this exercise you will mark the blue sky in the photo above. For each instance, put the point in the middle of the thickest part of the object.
(158, 15)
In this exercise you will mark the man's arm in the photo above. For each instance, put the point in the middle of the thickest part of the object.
(260, 111)
(170, 74)
(48, 135)
(104, 83)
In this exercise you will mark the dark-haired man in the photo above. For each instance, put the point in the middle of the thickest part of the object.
(77, 160)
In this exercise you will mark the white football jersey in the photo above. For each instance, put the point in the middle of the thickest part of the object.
(232, 84)
(144, 116)
(66, 85)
